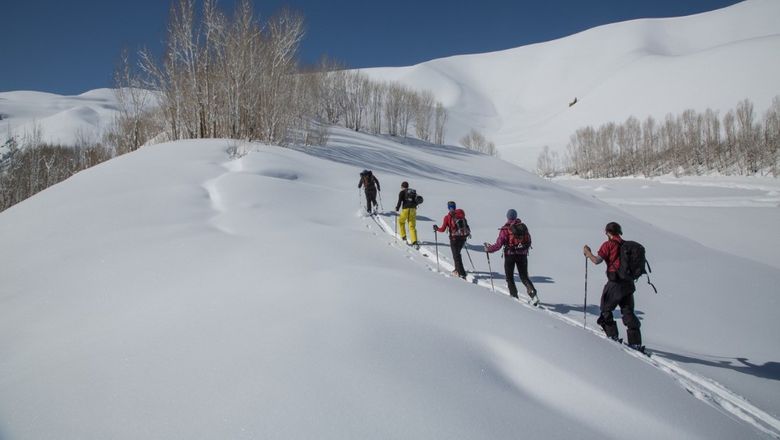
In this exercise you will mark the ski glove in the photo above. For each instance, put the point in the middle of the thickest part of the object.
(436, 228)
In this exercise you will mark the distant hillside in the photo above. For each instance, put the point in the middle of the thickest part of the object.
(519, 98)
(61, 119)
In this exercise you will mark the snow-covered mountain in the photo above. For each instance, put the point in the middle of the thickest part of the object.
(519, 97)
(176, 293)
(60, 119)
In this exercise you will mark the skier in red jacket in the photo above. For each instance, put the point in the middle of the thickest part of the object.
(455, 222)
(515, 254)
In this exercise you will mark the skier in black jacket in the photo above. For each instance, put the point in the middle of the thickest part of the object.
(371, 185)
(407, 199)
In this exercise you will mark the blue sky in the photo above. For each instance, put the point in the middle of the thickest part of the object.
(73, 46)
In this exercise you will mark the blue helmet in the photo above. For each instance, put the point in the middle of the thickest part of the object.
(511, 214)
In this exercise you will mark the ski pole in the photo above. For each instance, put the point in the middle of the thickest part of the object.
(585, 304)
(436, 239)
(492, 286)
(469, 255)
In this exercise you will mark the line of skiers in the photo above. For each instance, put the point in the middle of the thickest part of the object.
(515, 240)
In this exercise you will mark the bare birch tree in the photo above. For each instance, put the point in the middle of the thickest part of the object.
(440, 122)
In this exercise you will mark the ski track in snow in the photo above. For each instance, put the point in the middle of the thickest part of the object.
(701, 387)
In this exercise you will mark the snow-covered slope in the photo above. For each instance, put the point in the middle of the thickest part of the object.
(519, 97)
(61, 119)
(174, 293)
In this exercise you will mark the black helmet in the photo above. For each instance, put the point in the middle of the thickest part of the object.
(613, 228)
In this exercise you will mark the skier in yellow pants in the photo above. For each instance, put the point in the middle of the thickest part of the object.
(408, 199)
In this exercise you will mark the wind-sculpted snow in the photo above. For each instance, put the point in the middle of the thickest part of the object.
(176, 293)
(279, 174)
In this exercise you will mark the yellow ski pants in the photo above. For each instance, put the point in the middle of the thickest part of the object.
(409, 214)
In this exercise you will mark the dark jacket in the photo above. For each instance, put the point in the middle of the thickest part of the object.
(370, 181)
(402, 201)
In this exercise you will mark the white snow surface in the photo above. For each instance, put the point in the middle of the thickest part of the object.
(61, 119)
(177, 293)
(650, 67)
(734, 214)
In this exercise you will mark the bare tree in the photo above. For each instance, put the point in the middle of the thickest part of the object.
(376, 104)
(687, 143)
(547, 164)
(440, 121)
(712, 140)
(772, 136)
(134, 125)
(747, 137)
(423, 113)
(357, 97)
(476, 141)
(394, 108)
(650, 139)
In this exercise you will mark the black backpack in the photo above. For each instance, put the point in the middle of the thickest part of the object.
(633, 263)
(412, 198)
(519, 237)
(368, 178)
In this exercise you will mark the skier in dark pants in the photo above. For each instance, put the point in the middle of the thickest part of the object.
(455, 222)
(371, 185)
(617, 292)
(515, 255)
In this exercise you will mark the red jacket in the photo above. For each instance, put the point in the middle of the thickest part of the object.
(610, 252)
(448, 222)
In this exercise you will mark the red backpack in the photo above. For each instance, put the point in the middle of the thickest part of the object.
(461, 225)
(519, 237)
